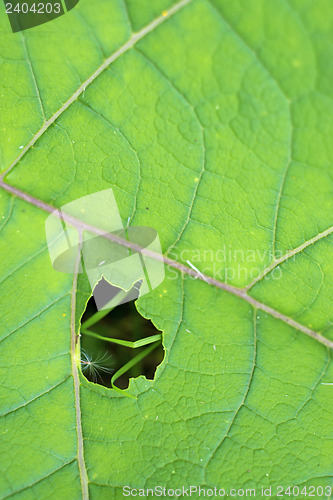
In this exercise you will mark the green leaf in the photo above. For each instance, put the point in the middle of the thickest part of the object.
(212, 123)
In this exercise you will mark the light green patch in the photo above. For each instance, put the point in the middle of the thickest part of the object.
(215, 129)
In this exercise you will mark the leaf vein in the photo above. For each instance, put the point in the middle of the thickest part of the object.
(238, 292)
(135, 38)
(242, 403)
(200, 174)
(39, 480)
(12, 410)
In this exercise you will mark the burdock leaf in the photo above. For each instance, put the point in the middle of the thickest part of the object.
(212, 123)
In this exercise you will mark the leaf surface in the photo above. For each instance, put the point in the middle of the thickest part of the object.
(212, 123)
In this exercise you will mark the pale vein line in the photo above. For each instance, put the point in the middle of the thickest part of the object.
(26, 403)
(97, 113)
(181, 318)
(22, 264)
(288, 101)
(38, 480)
(281, 188)
(128, 17)
(10, 213)
(238, 292)
(39, 313)
(203, 141)
(248, 47)
(74, 359)
(32, 73)
(316, 385)
(242, 403)
(288, 255)
(135, 38)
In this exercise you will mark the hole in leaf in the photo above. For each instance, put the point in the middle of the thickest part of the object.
(118, 343)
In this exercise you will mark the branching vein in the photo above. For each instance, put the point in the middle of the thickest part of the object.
(135, 38)
(239, 292)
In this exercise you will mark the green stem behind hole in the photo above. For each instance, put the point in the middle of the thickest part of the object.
(100, 314)
(126, 343)
(128, 366)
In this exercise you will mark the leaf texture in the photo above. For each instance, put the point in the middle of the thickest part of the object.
(212, 123)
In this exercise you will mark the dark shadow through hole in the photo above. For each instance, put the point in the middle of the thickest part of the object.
(102, 359)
